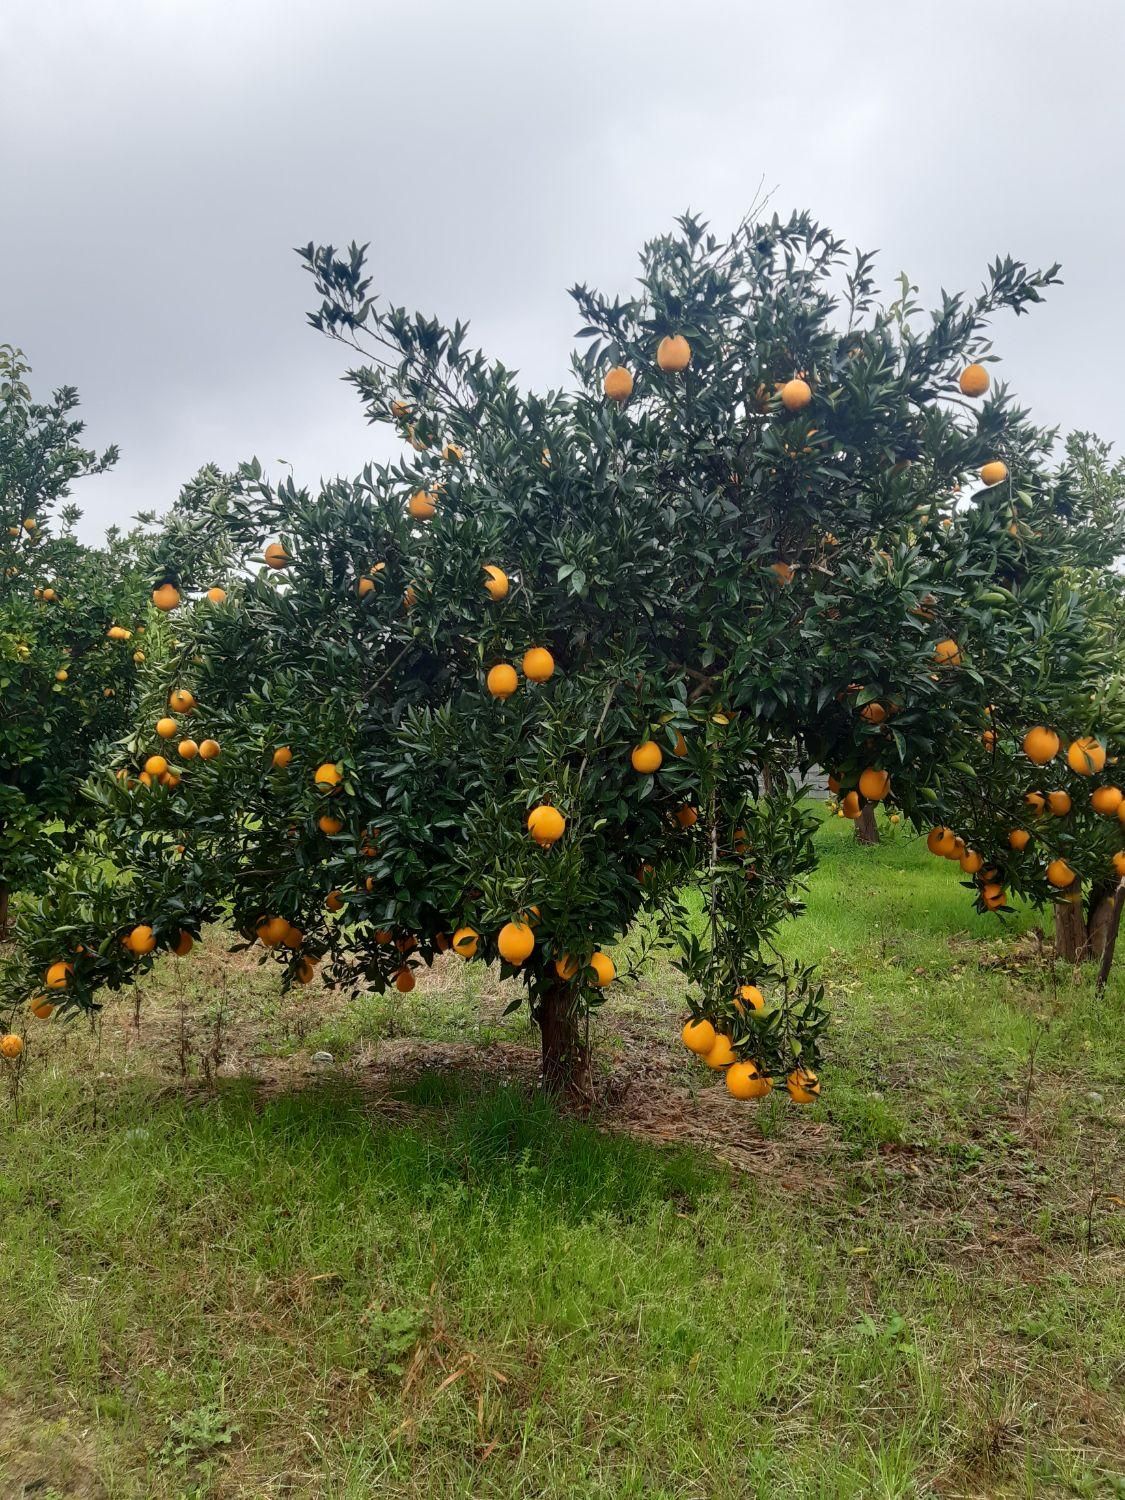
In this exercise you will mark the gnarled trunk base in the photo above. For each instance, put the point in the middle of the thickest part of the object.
(866, 828)
(1086, 932)
(566, 1059)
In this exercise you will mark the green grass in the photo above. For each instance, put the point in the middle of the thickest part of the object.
(457, 1292)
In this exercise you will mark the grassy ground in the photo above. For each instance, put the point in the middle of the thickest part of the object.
(307, 1285)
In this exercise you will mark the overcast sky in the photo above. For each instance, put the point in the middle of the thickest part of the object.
(160, 158)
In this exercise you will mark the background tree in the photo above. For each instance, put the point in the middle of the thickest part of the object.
(65, 685)
(1036, 799)
(525, 689)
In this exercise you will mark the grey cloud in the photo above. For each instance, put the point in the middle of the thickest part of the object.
(159, 161)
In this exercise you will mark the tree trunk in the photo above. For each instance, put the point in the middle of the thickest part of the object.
(1070, 931)
(866, 828)
(1099, 921)
(566, 1062)
(1112, 928)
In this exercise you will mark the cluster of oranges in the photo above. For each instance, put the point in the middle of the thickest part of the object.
(744, 1079)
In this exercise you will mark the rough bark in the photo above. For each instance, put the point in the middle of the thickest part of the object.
(866, 828)
(566, 1061)
(1113, 926)
(1070, 931)
(1098, 922)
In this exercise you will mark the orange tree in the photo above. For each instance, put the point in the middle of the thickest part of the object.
(65, 684)
(1034, 807)
(539, 683)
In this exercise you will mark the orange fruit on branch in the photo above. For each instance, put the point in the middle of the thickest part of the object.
(974, 380)
(502, 681)
(538, 664)
(698, 1036)
(515, 942)
(166, 597)
(1085, 755)
(673, 353)
(647, 758)
(618, 383)
(546, 824)
(495, 582)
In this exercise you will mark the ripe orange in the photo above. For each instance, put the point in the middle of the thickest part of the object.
(364, 587)
(1041, 745)
(971, 861)
(422, 505)
(404, 980)
(118, 633)
(515, 942)
(686, 816)
(782, 571)
(141, 940)
(166, 728)
(1106, 800)
(465, 942)
(745, 1082)
(495, 582)
(305, 970)
(874, 784)
(1019, 838)
(994, 472)
(647, 758)
(334, 901)
(988, 739)
(1059, 803)
(1086, 755)
(42, 1008)
(166, 597)
(567, 967)
(538, 664)
(451, 453)
(947, 653)
(618, 383)
(604, 971)
(180, 701)
(680, 747)
(974, 380)
(271, 931)
(327, 776)
(281, 757)
(217, 595)
(698, 1036)
(1037, 803)
(58, 975)
(208, 749)
(328, 824)
(941, 841)
(795, 394)
(400, 410)
(673, 353)
(275, 556)
(1059, 873)
(849, 805)
(1119, 863)
(156, 765)
(873, 713)
(188, 749)
(720, 1054)
(61, 675)
(803, 1086)
(502, 681)
(10, 1045)
(749, 995)
(546, 824)
(183, 945)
